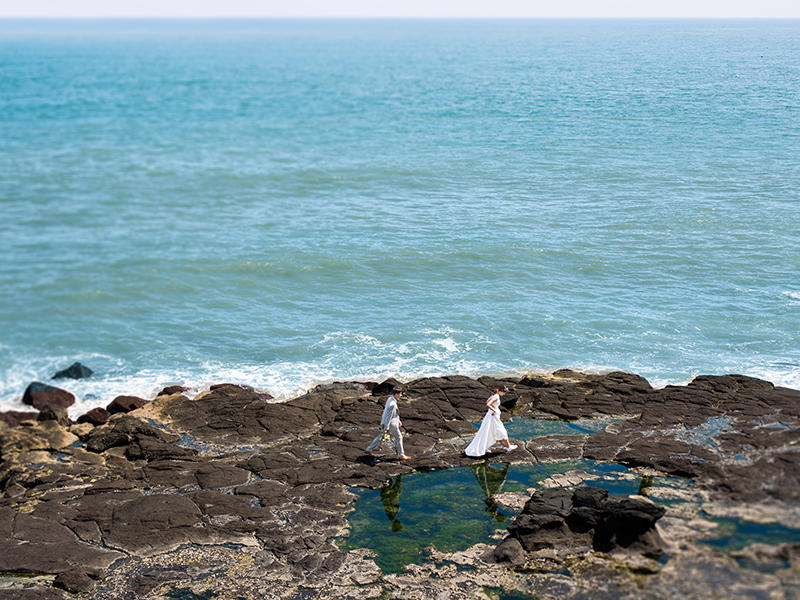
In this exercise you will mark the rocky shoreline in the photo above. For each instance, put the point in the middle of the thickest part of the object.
(227, 495)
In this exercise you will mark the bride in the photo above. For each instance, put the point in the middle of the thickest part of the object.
(492, 429)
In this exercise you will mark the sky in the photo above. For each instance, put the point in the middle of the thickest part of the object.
(403, 8)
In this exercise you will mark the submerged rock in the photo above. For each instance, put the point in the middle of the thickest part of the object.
(75, 371)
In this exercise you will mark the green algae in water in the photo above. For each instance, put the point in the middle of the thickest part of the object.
(453, 509)
(734, 534)
(501, 594)
(521, 428)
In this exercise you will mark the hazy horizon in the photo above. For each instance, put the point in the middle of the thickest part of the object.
(409, 9)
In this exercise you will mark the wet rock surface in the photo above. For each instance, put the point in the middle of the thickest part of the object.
(75, 371)
(230, 495)
(39, 394)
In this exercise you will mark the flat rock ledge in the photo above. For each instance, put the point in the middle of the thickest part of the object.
(228, 495)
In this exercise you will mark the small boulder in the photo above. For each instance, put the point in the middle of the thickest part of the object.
(511, 552)
(96, 416)
(216, 386)
(54, 413)
(172, 389)
(76, 581)
(386, 387)
(74, 371)
(39, 394)
(125, 404)
(82, 430)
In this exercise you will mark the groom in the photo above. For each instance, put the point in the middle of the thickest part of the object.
(390, 423)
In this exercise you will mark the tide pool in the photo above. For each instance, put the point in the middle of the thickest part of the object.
(454, 509)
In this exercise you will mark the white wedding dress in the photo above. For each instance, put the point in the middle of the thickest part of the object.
(491, 431)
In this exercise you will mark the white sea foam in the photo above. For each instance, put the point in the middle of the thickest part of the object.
(447, 344)
(335, 356)
(794, 295)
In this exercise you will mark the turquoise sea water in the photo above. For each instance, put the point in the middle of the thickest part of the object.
(286, 202)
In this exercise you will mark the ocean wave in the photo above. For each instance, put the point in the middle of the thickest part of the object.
(338, 356)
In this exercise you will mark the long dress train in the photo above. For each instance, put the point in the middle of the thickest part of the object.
(492, 430)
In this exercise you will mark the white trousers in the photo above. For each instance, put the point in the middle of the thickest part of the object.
(397, 439)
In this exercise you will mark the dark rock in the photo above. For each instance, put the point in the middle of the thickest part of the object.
(74, 371)
(13, 418)
(568, 374)
(154, 523)
(341, 385)
(125, 404)
(52, 557)
(122, 431)
(574, 521)
(38, 394)
(510, 551)
(96, 416)
(535, 381)
(214, 476)
(172, 389)
(628, 523)
(36, 592)
(54, 413)
(76, 581)
(591, 497)
(385, 387)
(149, 449)
(730, 383)
(216, 386)
(279, 475)
(261, 395)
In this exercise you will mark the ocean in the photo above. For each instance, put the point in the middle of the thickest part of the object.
(287, 202)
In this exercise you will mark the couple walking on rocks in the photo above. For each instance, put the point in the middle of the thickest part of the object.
(491, 431)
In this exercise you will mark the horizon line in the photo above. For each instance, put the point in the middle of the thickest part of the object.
(399, 17)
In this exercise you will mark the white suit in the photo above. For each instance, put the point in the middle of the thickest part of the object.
(391, 421)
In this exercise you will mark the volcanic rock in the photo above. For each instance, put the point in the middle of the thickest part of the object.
(13, 418)
(172, 389)
(76, 581)
(54, 413)
(189, 494)
(574, 521)
(38, 394)
(385, 387)
(96, 416)
(124, 404)
(74, 371)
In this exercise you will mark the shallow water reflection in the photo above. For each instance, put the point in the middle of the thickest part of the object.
(454, 508)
